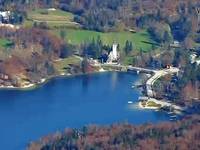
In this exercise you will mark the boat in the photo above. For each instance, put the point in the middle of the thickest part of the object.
(130, 102)
(170, 113)
(173, 116)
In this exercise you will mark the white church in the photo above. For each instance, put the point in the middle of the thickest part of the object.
(114, 55)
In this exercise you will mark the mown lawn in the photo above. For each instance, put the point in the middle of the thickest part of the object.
(5, 43)
(51, 17)
(141, 40)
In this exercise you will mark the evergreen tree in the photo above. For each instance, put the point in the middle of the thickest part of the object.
(64, 52)
(128, 47)
(63, 34)
(167, 38)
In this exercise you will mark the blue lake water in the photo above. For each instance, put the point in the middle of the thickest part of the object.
(70, 102)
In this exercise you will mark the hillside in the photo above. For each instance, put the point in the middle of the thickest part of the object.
(52, 17)
(182, 135)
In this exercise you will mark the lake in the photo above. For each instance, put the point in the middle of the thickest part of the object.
(70, 102)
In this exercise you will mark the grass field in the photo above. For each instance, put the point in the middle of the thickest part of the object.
(4, 43)
(61, 65)
(74, 35)
(128, 60)
(140, 39)
(55, 18)
(51, 17)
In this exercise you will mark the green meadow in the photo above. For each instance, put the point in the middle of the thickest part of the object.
(51, 17)
(75, 35)
(141, 40)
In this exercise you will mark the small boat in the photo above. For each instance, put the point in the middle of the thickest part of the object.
(170, 113)
(173, 116)
(130, 102)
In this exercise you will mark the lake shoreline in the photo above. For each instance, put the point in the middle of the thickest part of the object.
(32, 86)
(69, 97)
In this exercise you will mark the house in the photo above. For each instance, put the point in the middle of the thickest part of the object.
(3, 76)
(175, 44)
(4, 15)
(194, 59)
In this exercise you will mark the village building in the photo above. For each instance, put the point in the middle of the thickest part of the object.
(175, 44)
(4, 16)
(194, 59)
(114, 54)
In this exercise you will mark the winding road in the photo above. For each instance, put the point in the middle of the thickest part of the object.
(156, 74)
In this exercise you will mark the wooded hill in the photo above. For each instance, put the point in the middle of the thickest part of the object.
(31, 56)
(180, 135)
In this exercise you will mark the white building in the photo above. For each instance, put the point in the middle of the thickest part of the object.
(114, 55)
(5, 14)
(198, 62)
(194, 59)
(114, 52)
(175, 44)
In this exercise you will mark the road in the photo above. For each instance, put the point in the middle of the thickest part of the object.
(129, 68)
(156, 74)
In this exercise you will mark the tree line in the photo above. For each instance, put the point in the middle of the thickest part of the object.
(180, 135)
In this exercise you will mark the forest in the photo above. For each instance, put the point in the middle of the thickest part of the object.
(180, 135)
(40, 50)
(31, 55)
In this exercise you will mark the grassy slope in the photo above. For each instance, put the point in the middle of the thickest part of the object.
(57, 15)
(78, 36)
(64, 63)
(53, 18)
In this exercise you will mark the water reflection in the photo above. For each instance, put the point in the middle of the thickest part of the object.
(69, 102)
(133, 106)
(85, 83)
(114, 80)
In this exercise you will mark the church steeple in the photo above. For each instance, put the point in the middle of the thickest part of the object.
(114, 54)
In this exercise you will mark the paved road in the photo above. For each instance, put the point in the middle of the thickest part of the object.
(130, 68)
(156, 75)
